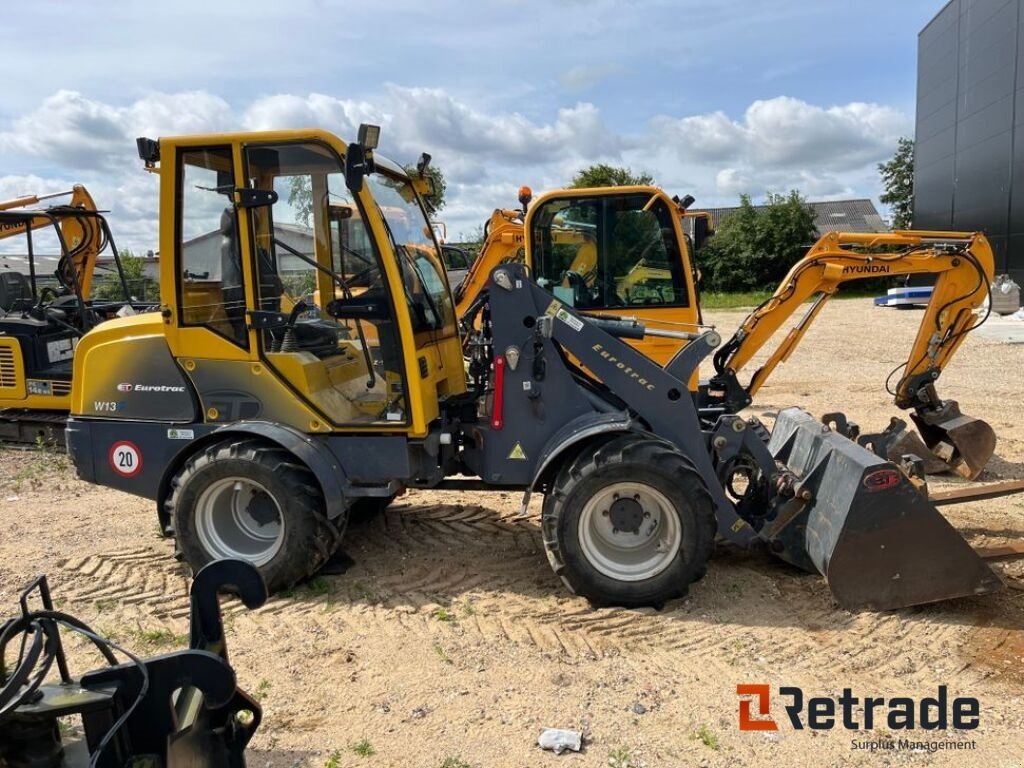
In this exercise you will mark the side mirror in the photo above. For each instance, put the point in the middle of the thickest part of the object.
(355, 167)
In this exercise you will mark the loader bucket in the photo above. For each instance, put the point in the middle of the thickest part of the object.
(878, 541)
(964, 443)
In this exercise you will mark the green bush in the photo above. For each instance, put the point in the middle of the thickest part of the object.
(754, 247)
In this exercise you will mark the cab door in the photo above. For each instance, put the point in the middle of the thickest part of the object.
(324, 319)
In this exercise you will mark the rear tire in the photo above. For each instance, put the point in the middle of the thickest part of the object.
(630, 523)
(254, 501)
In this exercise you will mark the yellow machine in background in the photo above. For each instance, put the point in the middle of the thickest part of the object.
(43, 313)
(608, 250)
(572, 240)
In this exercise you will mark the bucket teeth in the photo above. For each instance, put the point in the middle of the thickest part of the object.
(878, 541)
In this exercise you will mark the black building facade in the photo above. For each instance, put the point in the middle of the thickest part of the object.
(969, 153)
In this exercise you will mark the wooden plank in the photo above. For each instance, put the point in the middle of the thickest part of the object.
(976, 492)
(1011, 549)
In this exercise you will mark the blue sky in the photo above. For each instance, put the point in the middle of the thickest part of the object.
(712, 98)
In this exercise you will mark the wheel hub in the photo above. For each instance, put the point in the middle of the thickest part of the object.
(237, 517)
(262, 509)
(626, 514)
(629, 531)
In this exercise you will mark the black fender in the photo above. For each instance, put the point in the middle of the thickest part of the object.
(580, 429)
(311, 450)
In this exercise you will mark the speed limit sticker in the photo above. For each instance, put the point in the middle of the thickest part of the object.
(125, 458)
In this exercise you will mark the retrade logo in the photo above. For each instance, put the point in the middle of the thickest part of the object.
(762, 694)
(854, 713)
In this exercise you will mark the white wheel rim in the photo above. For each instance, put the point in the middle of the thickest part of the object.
(227, 526)
(630, 554)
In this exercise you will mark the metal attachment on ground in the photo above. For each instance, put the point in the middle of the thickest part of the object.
(177, 709)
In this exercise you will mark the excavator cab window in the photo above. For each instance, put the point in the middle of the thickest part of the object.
(608, 251)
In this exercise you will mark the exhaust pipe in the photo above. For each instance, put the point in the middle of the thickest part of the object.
(878, 541)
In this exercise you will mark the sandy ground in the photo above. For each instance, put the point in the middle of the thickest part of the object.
(450, 643)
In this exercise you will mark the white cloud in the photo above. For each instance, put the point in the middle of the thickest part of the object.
(74, 132)
(776, 144)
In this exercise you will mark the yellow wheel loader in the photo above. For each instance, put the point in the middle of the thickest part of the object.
(258, 428)
(44, 311)
(623, 252)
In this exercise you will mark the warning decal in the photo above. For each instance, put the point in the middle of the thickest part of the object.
(517, 453)
(125, 458)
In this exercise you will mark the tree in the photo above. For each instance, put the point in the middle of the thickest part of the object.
(755, 246)
(300, 193)
(434, 200)
(898, 179)
(602, 175)
(142, 287)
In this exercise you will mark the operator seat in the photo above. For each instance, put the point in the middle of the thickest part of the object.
(15, 291)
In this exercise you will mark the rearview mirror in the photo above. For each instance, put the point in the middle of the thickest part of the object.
(355, 167)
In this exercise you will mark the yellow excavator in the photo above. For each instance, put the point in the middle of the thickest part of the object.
(43, 312)
(576, 247)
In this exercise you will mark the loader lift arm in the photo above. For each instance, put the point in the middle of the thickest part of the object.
(964, 266)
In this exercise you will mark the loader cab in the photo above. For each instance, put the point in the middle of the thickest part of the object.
(616, 251)
(299, 298)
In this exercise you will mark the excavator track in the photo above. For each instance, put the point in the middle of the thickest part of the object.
(21, 427)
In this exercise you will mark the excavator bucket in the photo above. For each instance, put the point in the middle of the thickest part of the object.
(857, 519)
(899, 440)
(964, 443)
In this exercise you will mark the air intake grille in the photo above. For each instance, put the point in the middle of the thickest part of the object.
(61, 388)
(8, 380)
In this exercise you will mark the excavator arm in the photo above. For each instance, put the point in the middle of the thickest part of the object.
(504, 240)
(963, 265)
(82, 231)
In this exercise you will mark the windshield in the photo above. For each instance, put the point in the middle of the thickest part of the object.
(426, 288)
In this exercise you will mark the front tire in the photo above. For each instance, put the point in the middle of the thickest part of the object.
(253, 501)
(629, 524)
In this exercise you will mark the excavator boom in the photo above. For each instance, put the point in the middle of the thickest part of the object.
(963, 265)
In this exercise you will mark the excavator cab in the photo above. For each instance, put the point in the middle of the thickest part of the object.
(618, 253)
(49, 298)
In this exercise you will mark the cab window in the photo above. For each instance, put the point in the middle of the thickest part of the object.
(426, 285)
(209, 256)
(608, 251)
(312, 254)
